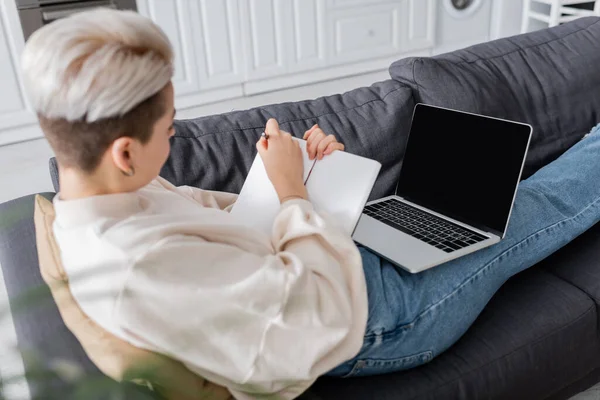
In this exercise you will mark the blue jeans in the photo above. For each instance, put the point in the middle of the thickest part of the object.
(413, 318)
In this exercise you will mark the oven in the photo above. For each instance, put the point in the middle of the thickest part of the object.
(36, 13)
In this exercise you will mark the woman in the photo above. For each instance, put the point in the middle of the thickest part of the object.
(177, 274)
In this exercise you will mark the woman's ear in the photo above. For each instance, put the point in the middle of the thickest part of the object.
(121, 153)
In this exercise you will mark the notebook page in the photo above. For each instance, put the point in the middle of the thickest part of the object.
(258, 203)
(340, 184)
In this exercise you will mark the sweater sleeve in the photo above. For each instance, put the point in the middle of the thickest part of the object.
(264, 325)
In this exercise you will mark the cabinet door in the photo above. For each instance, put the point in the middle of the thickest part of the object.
(421, 24)
(306, 36)
(14, 108)
(174, 17)
(11, 99)
(364, 33)
(283, 36)
(264, 32)
(217, 37)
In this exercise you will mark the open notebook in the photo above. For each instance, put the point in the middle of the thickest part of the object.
(338, 185)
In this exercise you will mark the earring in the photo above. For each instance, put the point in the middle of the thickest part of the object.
(129, 173)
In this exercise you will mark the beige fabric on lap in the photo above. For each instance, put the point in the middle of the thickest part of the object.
(113, 356)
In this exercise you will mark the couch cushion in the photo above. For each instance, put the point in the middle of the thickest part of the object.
(537, 335)
(547, 78)
(113, 356)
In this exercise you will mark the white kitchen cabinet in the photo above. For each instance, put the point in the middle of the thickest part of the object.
(361, 30)
(306, 36)
(226, 49)
(286, 37)
(283, 36)
(175, 19)
(420, 24)
(217, 37)
(14, 109)
(206, 39)
(11, 100)
(265, 32)
(357, 33)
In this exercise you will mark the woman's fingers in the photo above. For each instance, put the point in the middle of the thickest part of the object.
(272, 128)
(333, 147)
(323, 145)
(262, 146)
(310, 131)
(313, 142)
(316, 134)
(318, 144)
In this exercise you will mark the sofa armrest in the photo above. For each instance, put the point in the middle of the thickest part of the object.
(43, 339)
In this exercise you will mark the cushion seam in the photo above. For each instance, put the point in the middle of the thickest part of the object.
(382, 98)
(585, 313)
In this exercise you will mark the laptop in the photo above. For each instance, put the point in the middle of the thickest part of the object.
(455, 193)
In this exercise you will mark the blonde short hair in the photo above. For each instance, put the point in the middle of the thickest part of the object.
(94, 77)
(96, 64)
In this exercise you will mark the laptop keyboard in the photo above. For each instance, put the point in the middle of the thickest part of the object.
(426, 227)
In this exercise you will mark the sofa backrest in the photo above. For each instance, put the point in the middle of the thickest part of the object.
(549, 79)
(216, 152)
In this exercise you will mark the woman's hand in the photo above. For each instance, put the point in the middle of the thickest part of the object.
(319, 144)
(283, 161)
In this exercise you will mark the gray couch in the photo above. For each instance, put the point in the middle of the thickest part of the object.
(538, 338)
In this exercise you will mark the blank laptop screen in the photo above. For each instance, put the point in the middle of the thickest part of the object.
(464, 166)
